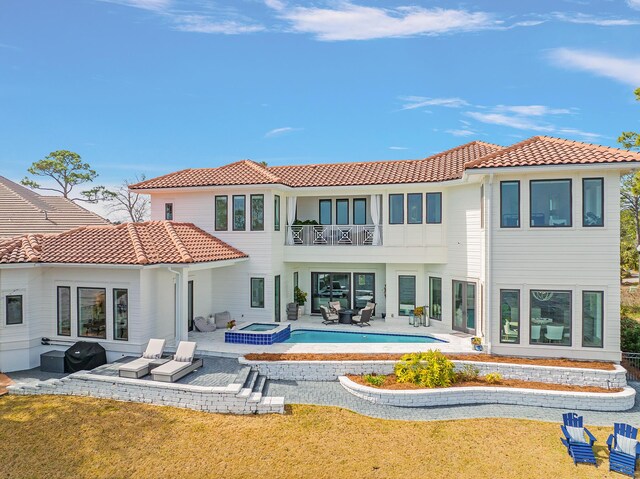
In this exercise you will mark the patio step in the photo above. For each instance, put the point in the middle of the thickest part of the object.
(248, 385)
(258, 389)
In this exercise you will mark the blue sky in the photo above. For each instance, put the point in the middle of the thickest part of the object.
(152, 86)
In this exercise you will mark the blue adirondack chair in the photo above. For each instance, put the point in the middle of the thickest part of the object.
(619, 460)
(577, 446)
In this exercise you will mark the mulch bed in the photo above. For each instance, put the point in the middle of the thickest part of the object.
(485, 358)
(391, 383)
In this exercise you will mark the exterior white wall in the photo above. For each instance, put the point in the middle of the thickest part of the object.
(572, 258)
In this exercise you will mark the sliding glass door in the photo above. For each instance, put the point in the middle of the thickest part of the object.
(326, 287)
(464, 306)
(364, 287)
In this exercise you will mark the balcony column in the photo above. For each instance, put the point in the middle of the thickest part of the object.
(376, 214)
(291, 217)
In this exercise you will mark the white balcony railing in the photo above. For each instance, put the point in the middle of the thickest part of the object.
(333, 235)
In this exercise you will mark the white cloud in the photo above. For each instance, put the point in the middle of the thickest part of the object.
(398, 148)
(513, 121)
(280, 131)
(413, 102)
(153, 5)
(635, 4)
(623, 70)
(347, 21)
(532, 110)
(585, 19)
(206, 19)
(205, 24)
(461, 132)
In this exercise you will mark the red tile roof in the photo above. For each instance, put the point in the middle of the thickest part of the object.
(546, 150)
(448, 165)
(153, 242)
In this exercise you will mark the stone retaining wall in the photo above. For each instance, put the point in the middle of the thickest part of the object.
(227, 399)
(567, 400)
(331, 370)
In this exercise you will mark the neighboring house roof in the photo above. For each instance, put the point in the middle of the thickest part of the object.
(448, 165)
(23, 211)
(153, 242)
(546, 150)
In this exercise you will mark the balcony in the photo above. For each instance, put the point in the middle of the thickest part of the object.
(334, 235)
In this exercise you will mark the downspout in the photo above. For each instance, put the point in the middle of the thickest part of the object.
(178, 304)
(488, 286)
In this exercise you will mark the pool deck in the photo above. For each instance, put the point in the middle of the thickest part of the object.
(456, 342)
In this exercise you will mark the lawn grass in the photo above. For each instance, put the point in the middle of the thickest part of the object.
(73, 437)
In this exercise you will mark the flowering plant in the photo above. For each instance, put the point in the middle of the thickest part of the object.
(476, 341)
(231, 324)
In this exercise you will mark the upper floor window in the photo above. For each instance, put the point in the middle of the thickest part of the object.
(509, 204)
(396, 209)
(434, 208)
(325, 212)
(414, 208)
(221, 213)
(550, 203)
(168, 211)
(342, 212)
(239, 213)
(593, 202)
(14, 309)
(257, 212)
(359, 211)
(276, 213)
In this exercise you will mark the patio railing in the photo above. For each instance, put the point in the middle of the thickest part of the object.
(631, 362)
(318, 235)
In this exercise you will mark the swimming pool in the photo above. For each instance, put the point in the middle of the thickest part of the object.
(314, 336)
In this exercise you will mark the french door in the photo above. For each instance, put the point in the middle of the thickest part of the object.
(464, 306)
(326, 287)
(190, 305)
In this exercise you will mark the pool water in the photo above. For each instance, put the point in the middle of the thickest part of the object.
(259, 327)
(313, 336)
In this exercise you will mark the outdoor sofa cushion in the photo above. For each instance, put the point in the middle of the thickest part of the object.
(204, 326)
(222, 319)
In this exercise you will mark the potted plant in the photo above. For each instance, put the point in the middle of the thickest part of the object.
(300, 297)
(231, 324)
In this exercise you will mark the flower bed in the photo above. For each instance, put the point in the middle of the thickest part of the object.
(484, 358)
(451, 396)
(391, 383)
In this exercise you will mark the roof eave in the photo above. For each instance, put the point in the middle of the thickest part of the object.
(615, 165)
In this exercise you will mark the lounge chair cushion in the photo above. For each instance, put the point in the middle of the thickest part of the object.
(185, 352)
(576, 434)
(222, 319)
(626, 445)
(154, 349)
(136, 364)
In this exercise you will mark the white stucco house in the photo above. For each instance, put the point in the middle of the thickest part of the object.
(518, 245)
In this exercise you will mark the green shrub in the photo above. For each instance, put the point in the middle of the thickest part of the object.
(629, 335)
(430, 369)
(374, 379)
(493, 378)
(468, 373)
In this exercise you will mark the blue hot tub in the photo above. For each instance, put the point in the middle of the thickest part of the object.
(258, 333)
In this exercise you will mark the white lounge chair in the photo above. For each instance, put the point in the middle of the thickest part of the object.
(182, 364)
(140, 367)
